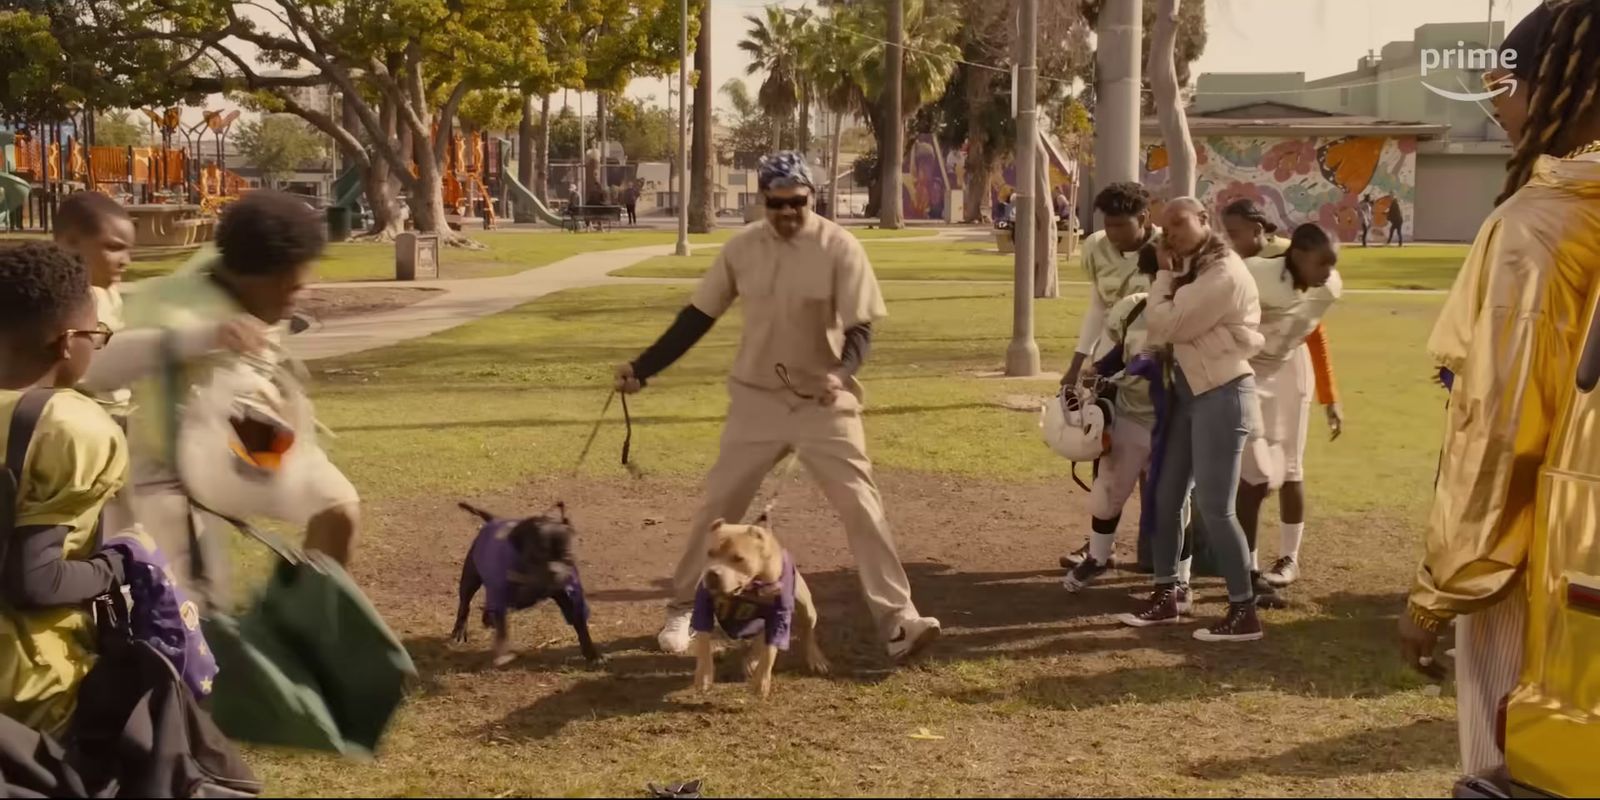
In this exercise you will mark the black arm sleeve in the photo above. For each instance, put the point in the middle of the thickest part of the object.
(857, 344)
(35, 575)
(686, 330)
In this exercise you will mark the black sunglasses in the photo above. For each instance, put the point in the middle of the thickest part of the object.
(97, 338)
(780, 203)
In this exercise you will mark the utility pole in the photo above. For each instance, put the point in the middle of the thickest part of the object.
(1116, 109)
(683, 127)
(583, 152)
(1022, 357)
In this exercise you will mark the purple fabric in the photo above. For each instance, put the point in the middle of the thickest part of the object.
(761, 607)
(495, 557)
(1447, 378)
(1149, 367)
(163, 615)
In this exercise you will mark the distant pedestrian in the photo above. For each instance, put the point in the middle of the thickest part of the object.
(1397, 222)
(630, 200)
(1364, 211)
(1061, 203)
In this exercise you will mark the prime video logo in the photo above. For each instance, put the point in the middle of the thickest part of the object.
(1479, 59)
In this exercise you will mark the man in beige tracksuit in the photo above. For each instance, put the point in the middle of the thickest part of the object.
(810, 300)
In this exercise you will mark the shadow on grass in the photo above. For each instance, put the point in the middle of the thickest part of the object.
(1410, 747)
(890, 411)
(1347, 650)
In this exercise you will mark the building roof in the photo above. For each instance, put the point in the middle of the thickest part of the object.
(1326, 125)
(1267, 109)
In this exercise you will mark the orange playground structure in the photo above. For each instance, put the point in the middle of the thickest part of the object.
(466, 178)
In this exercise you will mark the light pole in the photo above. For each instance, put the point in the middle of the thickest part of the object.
(1022, 357)
(683, 128)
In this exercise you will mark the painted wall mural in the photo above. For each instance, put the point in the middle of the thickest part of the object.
(1305, 179)
(929, 175)
(924, 181)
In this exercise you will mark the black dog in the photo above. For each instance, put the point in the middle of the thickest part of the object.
(519, 562)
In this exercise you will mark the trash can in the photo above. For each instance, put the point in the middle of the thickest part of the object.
(338, 223)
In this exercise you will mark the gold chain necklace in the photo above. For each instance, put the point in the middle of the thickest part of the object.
(1592, 147)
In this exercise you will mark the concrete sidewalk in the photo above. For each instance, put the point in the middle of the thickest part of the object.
(463, 300)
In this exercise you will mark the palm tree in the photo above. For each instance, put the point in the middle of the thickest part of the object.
(830, 64)
(930, 56)
(773, 43)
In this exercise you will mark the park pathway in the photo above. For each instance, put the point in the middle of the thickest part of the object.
(463, 300)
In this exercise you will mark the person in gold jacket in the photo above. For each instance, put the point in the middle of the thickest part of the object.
(1507, 343)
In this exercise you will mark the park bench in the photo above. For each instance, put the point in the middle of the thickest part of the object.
(594, 218)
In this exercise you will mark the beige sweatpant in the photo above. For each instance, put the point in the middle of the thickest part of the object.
(764, 427)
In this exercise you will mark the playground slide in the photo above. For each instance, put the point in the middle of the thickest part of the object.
(347, 188)
(13, 196)
(521, 194)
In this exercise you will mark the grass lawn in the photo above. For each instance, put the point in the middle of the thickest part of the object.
(1034, 691)
(507, 252)
(1411, 267)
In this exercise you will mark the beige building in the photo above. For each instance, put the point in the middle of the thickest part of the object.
(1455, 174)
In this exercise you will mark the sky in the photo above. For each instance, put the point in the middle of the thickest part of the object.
(1317, 37)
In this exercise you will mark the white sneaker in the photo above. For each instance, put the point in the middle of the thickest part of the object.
(1284, 571)
(675, 633)
(912, 637)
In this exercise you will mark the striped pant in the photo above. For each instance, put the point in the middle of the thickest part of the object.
(1489, 648)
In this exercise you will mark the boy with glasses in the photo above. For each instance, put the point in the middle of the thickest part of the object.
(63, 475)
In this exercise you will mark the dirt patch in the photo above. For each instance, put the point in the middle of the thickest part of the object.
(1035, 691)
(334, 303)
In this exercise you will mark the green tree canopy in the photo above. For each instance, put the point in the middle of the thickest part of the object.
(116, 129)
(279, 144)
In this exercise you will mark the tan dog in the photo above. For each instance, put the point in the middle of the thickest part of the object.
(752, 589)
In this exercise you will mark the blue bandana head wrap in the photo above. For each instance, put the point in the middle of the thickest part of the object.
(784, 170)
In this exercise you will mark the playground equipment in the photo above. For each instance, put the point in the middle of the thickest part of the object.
(465, 178)
(50, 161)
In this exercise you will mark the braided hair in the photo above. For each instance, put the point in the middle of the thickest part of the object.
(1564, 85)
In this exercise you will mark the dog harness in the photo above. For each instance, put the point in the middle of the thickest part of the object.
(763, 606)
(496, 560)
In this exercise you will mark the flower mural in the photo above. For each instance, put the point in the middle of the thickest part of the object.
(1301, 179)
(1289, 158)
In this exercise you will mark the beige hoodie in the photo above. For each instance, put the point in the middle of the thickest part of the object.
(1211, 322)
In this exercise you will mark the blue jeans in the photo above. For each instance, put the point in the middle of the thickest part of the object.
(1204, 444)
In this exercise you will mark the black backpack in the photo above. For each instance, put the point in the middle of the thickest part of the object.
(137, 730)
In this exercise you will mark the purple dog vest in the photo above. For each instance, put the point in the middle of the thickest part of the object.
(761, 607)
(495, 557)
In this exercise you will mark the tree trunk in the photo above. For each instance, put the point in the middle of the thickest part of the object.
(833, 165)
(525, 158)
(702, 198)
(979, 160)
(1169, 107)
(383, 196)
(805, 121)
(777, 133)
(541, 170)
(1046, 275)
(1116, 111)
(889, 157)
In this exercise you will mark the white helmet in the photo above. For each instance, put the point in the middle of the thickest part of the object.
(242, 433)
(1077, 423)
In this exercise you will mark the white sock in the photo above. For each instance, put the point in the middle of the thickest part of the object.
(1184, 569)
(1100, 546)
(1290, 536)
(1255, 563)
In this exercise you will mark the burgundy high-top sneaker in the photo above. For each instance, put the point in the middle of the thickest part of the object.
(1240, 625)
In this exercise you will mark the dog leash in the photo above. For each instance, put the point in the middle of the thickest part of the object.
(786, 469)
(627, 438)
